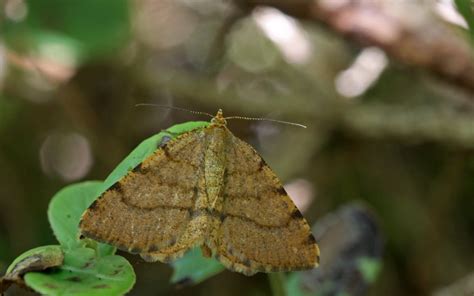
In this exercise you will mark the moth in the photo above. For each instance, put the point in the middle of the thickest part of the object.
(205, 188)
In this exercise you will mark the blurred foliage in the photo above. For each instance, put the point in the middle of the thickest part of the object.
(8, 108)
(80, 29)
(466, 8)
(403, 144)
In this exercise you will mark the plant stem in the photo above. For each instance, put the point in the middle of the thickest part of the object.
(277, 280)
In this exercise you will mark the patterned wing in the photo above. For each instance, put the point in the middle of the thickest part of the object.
(150, 210)
(261, 229)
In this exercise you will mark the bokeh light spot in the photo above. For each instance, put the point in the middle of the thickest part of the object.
(66, 155)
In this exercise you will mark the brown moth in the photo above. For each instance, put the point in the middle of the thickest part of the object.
(210, 189)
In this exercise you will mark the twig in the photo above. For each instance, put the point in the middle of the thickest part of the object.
(410, 124)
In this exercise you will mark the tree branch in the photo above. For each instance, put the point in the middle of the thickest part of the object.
(406, 30)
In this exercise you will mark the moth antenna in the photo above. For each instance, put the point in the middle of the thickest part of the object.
(267, 119)
(174, 108)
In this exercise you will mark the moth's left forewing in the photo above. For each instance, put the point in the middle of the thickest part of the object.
(261, 229)
(150, 211)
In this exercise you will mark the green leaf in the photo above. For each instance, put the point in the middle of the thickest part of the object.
(85, 274)
(65, 211)
(466, 9)
(193, 268)
(146, 148)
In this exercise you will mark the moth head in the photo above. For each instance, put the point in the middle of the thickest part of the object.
(219, 118)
